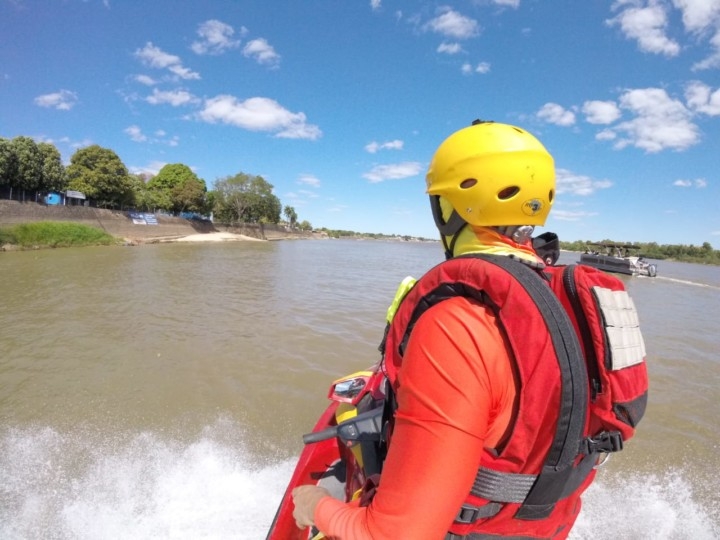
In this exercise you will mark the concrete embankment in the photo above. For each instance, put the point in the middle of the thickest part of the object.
(120, 224)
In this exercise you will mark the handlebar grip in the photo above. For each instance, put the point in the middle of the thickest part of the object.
(317, 436)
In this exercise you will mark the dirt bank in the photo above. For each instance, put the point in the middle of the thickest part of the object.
(121, 225)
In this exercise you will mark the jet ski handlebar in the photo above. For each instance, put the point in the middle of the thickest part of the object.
(366, 426)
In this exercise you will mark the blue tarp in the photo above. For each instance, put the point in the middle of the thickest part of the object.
(53, 198)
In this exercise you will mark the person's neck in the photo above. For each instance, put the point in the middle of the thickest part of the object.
(489, 241)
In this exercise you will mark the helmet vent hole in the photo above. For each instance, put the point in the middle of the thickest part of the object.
(468, 183)
(551, 195)
(508, 193)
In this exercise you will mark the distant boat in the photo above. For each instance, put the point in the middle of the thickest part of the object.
(618, 258)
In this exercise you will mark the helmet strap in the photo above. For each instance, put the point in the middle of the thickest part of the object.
(449, 228)
(450, 249)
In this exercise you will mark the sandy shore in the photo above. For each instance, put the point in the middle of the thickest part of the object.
(217, 237)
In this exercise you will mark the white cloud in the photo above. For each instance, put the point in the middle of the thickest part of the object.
(601, 112)
(375, 4)
(390, 145)
(511, 3)
(216, 37)
(468, 69)
(183, 72)
(712, 61)
(647, 25)
(449, 48)
(394, 171)
(152, 169)
(146, 80)
(261, 51)
(660, 122)
(553, 113)
(606, 135)
(701, 98)
(646, 21)
(309, 180)
(135, 134)
(64, 100)
(454, 25)
(154, 57)
(160, 136)
(171, 97)
(577, 184)
(698, 183)
(258, 114)
(698, 15)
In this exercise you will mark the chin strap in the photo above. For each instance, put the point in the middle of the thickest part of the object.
(450, 228)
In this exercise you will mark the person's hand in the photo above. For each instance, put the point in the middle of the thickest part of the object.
(306, 499)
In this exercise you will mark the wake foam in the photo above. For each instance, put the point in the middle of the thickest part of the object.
(661, 506)
(62, 487)
(88, 486)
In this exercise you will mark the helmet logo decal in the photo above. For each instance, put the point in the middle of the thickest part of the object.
(532, 207)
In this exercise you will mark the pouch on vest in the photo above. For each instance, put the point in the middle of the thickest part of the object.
(606, 322)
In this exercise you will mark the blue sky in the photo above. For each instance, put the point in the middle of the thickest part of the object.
(341, 104)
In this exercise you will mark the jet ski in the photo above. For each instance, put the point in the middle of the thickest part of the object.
(344, 451)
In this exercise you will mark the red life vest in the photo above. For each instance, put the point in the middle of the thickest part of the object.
(532, 484)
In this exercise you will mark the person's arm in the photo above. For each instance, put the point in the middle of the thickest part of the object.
(455, 381)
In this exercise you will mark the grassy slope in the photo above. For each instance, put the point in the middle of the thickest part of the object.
(52, 234)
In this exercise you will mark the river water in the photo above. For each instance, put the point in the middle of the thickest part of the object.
(161, 391)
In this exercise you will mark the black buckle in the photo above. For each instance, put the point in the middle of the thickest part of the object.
(467, 514)
(470, 514)
(607, 441)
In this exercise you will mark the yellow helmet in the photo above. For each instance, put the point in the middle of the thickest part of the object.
(492, 175)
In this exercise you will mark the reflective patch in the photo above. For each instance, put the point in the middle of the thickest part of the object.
(622, 327)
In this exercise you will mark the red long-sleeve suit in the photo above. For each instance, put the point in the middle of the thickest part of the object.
(456, 395)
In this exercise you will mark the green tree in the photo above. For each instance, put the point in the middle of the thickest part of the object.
(28, 172)
(246, 198)
(141, 194)
(290, 215)
(54, 177)
(190, 197)
(8, 163)
(176, 188)
(101, 175)
(305, 225)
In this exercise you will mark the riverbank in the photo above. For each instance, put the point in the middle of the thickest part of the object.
(157, 228)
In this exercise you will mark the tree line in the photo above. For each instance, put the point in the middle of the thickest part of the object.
(98, 173)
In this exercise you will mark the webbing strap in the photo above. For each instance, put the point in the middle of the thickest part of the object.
(470, 514)
(502, 486)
